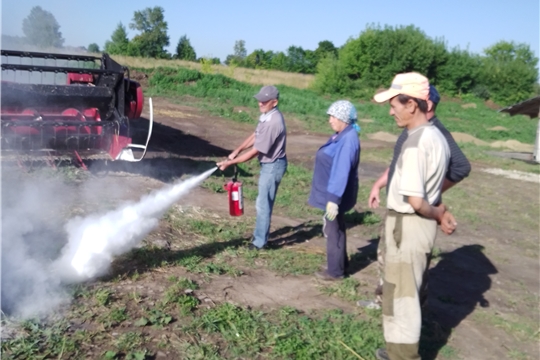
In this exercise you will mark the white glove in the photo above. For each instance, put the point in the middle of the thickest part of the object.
(331, 210)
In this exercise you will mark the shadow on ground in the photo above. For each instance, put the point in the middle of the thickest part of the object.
(457, 284)
(171, 155)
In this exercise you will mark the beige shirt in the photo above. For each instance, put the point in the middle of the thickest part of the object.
(420, 169)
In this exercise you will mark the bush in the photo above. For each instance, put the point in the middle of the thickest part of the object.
(331, 76)
(377, 55)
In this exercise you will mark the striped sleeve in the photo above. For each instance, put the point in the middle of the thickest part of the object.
(458, 167)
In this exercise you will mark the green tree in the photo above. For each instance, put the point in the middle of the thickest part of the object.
(93, 48)
(300, 60)
(153, 36)
(331, 76)
(240, 49)
(510, 72)
(184, 50)
(324, 48)
(119, 43)
(279, 61)
(41, 29)
(259, 59)
(239, 55)
(378, 54)
(460, 73)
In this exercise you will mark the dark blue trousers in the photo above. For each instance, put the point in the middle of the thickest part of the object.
(336, 245)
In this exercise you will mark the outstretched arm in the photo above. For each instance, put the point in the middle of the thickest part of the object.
(246, 144)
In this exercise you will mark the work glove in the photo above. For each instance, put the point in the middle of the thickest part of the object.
(331, 210)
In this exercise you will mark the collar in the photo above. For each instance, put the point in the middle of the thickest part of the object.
(412, 131)
(266, 116)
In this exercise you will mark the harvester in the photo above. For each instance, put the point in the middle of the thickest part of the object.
(55, 106)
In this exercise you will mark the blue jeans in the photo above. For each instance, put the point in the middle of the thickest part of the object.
(270, 177)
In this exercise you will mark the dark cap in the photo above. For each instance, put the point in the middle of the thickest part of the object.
(267, 93)
(434, 96)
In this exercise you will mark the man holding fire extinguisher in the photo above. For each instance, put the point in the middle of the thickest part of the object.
(268, 143)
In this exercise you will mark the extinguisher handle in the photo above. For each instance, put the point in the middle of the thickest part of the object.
(235, 176)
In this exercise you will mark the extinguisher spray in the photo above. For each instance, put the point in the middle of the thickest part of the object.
(234, 192)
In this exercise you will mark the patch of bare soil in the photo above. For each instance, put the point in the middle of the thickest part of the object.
(264, 289)
(513, 145)
(383, 136)
(498, 128)
(463, 137)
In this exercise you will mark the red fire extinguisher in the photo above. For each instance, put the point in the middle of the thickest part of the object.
(234, 192)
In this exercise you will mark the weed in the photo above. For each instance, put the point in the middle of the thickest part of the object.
(286, 333)
(187, 303)
(103, 296)
(118, 314)
(154, 317)
(448, 352)
(345, 289)
(174, 293)
(36, 340)
(129, 340)
(284, 261)
(190, 262)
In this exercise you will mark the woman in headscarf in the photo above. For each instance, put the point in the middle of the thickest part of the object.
(334, 186)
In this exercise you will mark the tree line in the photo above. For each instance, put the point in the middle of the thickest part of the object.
(505, 73)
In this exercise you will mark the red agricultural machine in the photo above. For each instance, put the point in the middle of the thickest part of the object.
(58, 105)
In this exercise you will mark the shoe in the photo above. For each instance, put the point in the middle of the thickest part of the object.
(323, 275)
(369, 304)
(381, 354)
(253, 247)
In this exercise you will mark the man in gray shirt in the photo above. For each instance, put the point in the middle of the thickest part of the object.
(268, 143)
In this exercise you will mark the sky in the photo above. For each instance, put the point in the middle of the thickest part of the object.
(214, 26)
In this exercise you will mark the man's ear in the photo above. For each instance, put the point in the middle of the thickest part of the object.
(411, 106)
(429, 105)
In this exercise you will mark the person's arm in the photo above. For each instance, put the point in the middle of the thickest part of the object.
(246, 156)
(381, 182)
(422, 207)
(248, 142)
(447, 184)
(459, 166)
(374, 199)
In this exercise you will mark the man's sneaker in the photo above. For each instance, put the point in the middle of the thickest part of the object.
(369, 304)
(381, 354)
(323, 275)
(253, 247)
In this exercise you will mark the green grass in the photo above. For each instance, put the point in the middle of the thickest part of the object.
(220, 95)
(287, 333)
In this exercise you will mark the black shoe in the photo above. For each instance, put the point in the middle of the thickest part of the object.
(253, 247)
(381, 354)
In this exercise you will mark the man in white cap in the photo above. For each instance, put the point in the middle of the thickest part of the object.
(268, 143)
(414, 210)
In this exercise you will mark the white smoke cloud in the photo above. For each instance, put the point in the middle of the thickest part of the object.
(37, 263)
(32, 235)
(95, 240)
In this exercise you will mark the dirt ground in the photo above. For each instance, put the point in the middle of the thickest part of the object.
(483, 284)
(479, 287)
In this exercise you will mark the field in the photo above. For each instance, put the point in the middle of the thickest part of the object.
(192, 290)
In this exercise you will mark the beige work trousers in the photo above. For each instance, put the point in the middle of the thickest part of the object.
(409, 240)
